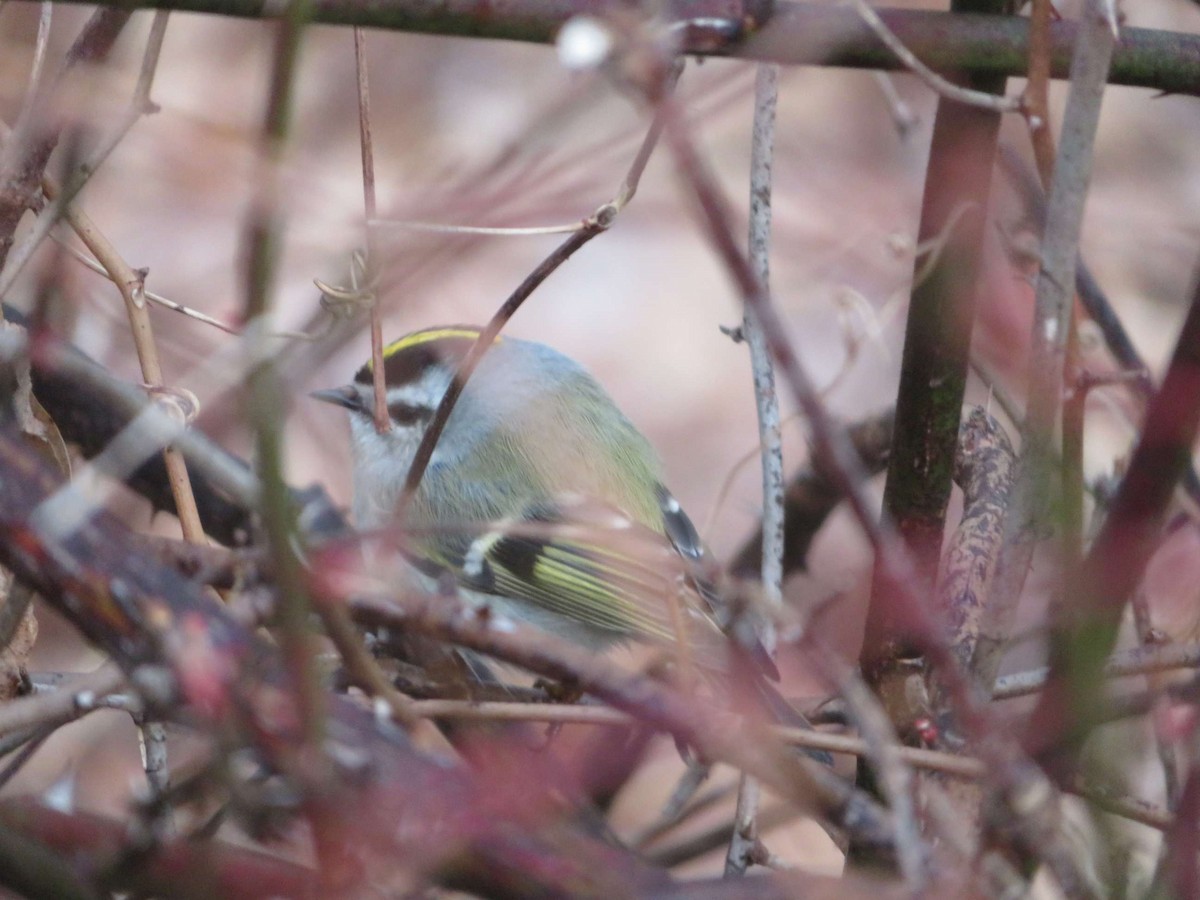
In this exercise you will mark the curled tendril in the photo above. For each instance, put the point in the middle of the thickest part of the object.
(347, 302)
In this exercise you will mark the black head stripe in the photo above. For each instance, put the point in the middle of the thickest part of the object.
(407, 359)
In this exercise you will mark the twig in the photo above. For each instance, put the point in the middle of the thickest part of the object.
(943, 298)
(1037, 100)
(930, 78)
(1052, 308)
(265, 390)
(670, 820)
(934, 760)
(1150, 638)
(743, 836)
(1093, 298)
(812, 495)
(1126, 807)
(131, 284)
(51, 190)
(1030, 795)
(443, 617)
(834, 451)
(766, 95)
(903, 115)
(365, 672)
(480, 230)
(359, 663)
(74, 698)
(596, 223)
(893, 772)
(383, 422)
(1028, 186)
(713, 837)
(139, 106)
(148, 431)
(33, 87)
(762, 146)
(1144, 660)
(1129, 536)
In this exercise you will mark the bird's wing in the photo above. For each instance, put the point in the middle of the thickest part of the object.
(591, 565)
(703, 573)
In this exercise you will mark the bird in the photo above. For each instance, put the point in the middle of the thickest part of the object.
(541, 500)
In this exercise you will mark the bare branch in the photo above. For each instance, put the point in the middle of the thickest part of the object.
(1055, 295)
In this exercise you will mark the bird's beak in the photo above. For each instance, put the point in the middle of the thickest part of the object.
(346, 397)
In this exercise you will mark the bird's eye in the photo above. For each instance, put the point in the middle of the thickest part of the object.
(407, 413)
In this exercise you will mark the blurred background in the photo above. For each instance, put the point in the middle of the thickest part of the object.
(499, 134)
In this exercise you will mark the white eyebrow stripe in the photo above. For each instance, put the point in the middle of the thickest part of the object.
(409, 395)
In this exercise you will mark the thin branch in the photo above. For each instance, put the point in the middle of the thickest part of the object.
(1144, 660)
(904, 116)
(762, 147)
(383, 422)
(566, 714)
(76, 697)
(596, 223)
(1130, 534)
(33, 87)
(445, 618)
(813, 494)
(147, 431)
(480, 230)
(482, 343)
(931, 79)
(265, 389)
(743, 837)
(1037, 100)
(1051, 321)
(1148, 638)
(131, 285)
(708, 839)
(1126, 807)
(139, 105)
(766, 95)
(892, 771)
(21, 168)
(1031, 797)
(51, 190)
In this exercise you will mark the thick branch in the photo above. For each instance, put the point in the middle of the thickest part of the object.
(799, 34)
(937, 339)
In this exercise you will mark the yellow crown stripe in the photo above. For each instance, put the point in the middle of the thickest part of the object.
(417, 338)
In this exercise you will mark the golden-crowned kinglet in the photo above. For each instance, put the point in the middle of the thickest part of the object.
(541, 497)
(542, 500)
